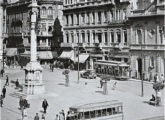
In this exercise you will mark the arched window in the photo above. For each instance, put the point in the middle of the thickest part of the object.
(43, 11)
(151, 61)
(50, 11)
(139, 36)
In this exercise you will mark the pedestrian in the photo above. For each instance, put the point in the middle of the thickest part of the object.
(17, 83)
(57, 117)
(101, 83)
(162, 78)
(2, 72)
(52, 67)
(114, 86)
(1, 100)
(63, 113)
(45, 105)
(7, 80)
(61, 117)
(36, 117)
(21, 102)
(43, 117)
(4, 91)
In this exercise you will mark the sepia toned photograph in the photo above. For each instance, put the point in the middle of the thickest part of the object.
(82, 59)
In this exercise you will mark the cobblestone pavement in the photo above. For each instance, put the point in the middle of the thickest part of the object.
(60, 97)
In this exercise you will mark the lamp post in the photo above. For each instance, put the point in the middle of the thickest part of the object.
(78, 80)
(142, 88)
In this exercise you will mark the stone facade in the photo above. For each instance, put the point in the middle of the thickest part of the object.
(18, 23)
(97, 25)
(147, 45)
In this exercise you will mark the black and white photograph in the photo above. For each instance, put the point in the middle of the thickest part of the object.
(82, 59)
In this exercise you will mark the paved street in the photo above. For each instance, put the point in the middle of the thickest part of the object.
(60, 97)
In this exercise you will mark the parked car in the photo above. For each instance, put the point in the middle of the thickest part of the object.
(89, 74)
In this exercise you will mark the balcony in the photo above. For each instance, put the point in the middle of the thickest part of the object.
(160, 47)
(66, 45)
(112, 22)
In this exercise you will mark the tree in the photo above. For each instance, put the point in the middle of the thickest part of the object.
(57, 36)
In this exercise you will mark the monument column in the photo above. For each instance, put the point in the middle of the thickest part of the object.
(33, 71)
(1, 30)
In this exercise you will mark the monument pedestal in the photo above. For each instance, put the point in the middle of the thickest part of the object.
(33, 79)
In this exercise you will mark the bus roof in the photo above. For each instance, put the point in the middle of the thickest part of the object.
(96, 106)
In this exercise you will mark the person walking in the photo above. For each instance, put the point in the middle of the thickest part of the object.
(101, 83)
(7, 80)
(63, 113)
(2, 72)
(1, 100)
(43, 117)
(45, 105)
(36, 117)
(4, 92)
(21, 102)
(17, 83)
(57, 117)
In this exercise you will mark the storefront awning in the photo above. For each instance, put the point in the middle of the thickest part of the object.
(82, 58)
(47, 55)
(67, 55)
(11, 52)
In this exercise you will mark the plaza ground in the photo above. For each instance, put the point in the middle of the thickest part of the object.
(60, 97)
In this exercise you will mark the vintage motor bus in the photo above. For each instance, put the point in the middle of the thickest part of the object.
(115, 69)
(108, 110)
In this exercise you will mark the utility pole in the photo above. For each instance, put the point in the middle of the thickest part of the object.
(142, 90)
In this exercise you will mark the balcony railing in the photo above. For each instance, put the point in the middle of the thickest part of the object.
(147, 47)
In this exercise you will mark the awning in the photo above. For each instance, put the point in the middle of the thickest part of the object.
(47, 55)
(82, 58)
(11, 52)
(67, 55)
(25, 54)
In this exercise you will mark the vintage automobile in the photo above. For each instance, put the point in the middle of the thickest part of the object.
(89, 74)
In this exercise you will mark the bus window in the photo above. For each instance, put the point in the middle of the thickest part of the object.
(104, 112)
(109, 111)
(92, 114)
(119, 109)
(80, 115)
(86, 114)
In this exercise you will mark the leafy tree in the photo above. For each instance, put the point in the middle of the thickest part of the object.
(57, 35)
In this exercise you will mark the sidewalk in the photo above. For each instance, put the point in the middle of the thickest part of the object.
(60, 97)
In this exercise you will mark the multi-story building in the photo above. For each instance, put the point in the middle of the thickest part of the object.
(97, 27)
(18, 25)
(147, 45)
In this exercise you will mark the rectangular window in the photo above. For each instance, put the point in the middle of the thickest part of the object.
(106, 17)
(67, 38)
(88, 37)
(118, 37)
(83, 37)
(93, 14)
(99, 17)
(67, 21)
(125, 37)
(93, 37)
(112, 37)
(100, 37)
(77, 15)
(83, 18)
(106, 40)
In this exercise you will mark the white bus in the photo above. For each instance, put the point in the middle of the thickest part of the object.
(108, 110)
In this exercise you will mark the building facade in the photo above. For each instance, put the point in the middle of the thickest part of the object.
(18, 25)
(147, 45)
(98, 28)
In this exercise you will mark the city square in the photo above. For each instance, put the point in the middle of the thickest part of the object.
(61, 97)
(82, 59)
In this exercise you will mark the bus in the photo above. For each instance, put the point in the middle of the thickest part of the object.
(114, 69)
(107, 110)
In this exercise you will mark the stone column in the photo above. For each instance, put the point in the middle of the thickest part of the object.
(65, 39)
(75, 19)
(103, 37)
(102, 17)
(80, 37)
(33, 38)
(47, 42)
(91, 37)
(33, 71)
(158, 68)
(86, 36)
(91, 63)
(157, 35)
(91, 18)
(80, 22)
(96, 17)
(1, 30)
(122, 36)
(146, 60)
